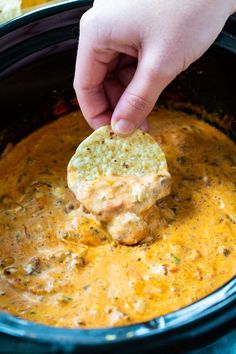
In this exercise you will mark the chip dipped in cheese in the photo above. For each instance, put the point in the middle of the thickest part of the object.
(118, 180)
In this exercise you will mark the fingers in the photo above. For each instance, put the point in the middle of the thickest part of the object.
(116, 82)
(91, 69)
(132, 92)
(126, 68)
(139, 97)
(113, 89)
(89, 89)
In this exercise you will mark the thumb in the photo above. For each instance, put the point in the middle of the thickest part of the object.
(139, 97)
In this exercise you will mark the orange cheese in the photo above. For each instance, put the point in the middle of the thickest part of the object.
(82, 278)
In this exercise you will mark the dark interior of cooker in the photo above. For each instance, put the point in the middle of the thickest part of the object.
(42, 90)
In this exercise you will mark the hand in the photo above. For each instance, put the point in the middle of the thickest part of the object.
(129, 51)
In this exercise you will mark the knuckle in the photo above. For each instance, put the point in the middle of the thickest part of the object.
(93, 27)
(153, 72)
(162, 70)
(162, 64)
(138, 103)
(166, 68)
(87, 21)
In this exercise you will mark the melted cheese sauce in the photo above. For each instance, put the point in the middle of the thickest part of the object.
(83, 279)
(29, 3)
(124, 203)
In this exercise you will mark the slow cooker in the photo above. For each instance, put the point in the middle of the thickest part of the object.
(37, 59)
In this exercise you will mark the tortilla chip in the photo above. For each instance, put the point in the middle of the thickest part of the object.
(9, 9)
(104, 153)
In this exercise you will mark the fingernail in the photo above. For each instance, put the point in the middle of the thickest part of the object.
(123, 127)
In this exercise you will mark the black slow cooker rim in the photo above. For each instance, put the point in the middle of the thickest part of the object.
(37, 14)
(181, 321)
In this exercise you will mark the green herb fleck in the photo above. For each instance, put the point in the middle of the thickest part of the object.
(65, 299)
(175, 259)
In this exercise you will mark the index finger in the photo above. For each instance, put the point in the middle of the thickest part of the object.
(91, 69)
